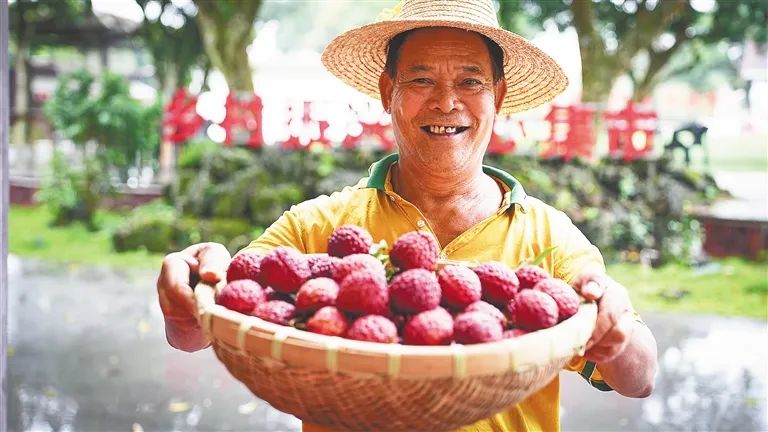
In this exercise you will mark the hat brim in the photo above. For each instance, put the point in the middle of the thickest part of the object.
(357, 57)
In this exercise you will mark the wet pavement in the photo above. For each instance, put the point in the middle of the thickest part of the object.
(88, 353)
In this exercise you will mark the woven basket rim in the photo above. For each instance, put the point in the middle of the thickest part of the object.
(252, 336)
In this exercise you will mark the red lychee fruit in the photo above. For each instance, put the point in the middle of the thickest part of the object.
(530, 275)
(566, 298)
(460, 286)
(322, 265)
(276, 311)
(348, 240)
(284, 269)
(432, 327)
(513, 333)
(416, 249)
(357, 262)
(414, 291)
(328, 321)
(476, 327)
(487, 308)
(363, 293)
(316, 293)
(498, 281)
(241, 296)
(534, 310)
(244, 265)
(373, 328)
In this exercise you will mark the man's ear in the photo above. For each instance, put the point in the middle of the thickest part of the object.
(501, 93)
(385, 90)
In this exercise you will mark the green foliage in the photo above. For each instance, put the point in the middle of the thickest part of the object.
(119, 124)
(157, 228)
(622, 37)
(619, 207)
(73, 193)
(175, 50)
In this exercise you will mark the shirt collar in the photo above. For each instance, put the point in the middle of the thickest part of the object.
(379, 170)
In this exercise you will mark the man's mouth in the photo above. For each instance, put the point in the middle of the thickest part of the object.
(444, 130)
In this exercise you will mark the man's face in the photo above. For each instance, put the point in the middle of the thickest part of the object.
(443, 100)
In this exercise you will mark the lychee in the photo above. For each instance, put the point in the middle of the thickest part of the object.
(284, 269)
(356, 262)
(241, 296)
(414, 291)
(416, 249)
(245, 265)
(276, 311)
(460, 286)
(534, 310)
(348, 240)
(476, 327)
(373, 328)
(363, 293)
(498, 281)
(566, 298)
(530, 275)
(322, 265)
(432, 327)
(316, 293)
(487, 308)
(328, 320)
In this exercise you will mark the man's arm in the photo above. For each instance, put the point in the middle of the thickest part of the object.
(632, 372)
(621, 346)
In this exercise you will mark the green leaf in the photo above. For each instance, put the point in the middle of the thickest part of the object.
(539, 258)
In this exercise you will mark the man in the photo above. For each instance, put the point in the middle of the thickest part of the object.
(444, 70)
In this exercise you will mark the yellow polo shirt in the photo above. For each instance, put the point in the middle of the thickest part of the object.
(521, 229)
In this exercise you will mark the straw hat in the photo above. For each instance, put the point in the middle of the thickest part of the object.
(358, 56)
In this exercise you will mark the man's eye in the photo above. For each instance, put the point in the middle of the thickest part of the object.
(422, 81)
(472, 82)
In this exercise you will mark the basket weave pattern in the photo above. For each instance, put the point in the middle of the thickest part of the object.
(350, 385)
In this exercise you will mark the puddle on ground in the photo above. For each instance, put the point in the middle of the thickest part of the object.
(89, 354)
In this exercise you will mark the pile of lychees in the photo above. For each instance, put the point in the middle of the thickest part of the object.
(401, 297)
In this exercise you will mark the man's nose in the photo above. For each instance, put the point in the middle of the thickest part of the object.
(445, 99)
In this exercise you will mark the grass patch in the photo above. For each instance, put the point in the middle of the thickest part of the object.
(30, 235)
(731, 287)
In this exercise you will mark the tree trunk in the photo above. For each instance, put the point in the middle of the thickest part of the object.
(227, 30)
(598, 69)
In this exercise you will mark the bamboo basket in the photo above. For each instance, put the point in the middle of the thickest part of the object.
(351, 385)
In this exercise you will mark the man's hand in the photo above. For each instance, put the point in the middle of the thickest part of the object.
(209, 262)
(623, 348)
(615, 316)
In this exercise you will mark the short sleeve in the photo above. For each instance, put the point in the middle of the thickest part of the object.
(588, 371)
(285, 231)
(574, 253)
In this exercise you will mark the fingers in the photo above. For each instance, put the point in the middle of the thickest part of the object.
(610, 307)
(214, 259)
(614, 341)
(176, 296)
(591, 286)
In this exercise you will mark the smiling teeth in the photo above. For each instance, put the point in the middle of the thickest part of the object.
(442, 129)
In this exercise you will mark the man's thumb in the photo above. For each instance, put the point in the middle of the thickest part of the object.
(214, 260)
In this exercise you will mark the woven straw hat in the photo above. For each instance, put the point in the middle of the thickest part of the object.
(358, 56)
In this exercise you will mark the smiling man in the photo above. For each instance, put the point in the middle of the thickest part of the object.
(444, 70)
